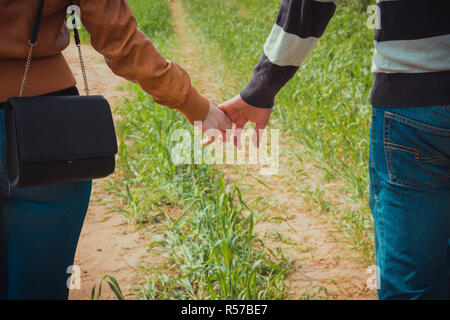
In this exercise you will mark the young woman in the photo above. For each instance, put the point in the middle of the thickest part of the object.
(40, 226)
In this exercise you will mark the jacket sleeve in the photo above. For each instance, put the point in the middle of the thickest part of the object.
(130, 54)
(299, 24)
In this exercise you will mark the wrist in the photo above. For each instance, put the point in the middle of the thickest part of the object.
(195, 107)
(258, 94)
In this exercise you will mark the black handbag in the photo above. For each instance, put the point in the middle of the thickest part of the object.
(58, 139)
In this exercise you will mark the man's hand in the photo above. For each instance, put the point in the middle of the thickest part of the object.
(216, 119)
(240, 113)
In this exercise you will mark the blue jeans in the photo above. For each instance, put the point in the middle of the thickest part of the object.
(39, 231)
(410, 201)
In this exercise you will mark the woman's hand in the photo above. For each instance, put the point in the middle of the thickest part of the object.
(240, 113)
(216, 119)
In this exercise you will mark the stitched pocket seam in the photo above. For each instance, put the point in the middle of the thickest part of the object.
(415, 152)
(387, 148)
(417, 124)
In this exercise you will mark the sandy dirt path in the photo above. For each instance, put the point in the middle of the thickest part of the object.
(107, 246)
(322, 265)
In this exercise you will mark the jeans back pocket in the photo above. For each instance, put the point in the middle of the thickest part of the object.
(417, 146)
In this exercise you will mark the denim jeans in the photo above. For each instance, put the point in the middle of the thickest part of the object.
(410, 201)
(39, 231)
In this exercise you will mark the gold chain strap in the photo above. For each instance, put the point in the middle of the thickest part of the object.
(28, 63)
(83, 70)
(27, 68)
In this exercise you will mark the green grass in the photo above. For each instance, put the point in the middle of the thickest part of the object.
(154, 25)
(207, 237)
(209, 243)
(325, 107)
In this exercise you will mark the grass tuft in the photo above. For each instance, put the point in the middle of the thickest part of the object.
(207, 238)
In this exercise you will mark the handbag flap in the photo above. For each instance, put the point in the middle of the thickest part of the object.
(54, 128)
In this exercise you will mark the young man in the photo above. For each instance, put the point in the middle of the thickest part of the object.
(410, 135)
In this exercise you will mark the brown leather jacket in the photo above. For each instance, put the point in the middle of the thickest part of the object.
(127, 51)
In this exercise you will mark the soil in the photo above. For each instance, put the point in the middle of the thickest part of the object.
(107, 246)
(323, 267)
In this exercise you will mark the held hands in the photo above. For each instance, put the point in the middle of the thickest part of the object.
(240, 113)
(216, 119)
(235, 111)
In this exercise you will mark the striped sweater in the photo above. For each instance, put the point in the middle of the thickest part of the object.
(411, 62)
